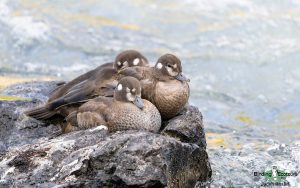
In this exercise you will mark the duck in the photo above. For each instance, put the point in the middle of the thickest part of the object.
(126, 110)
(100, 81)
(164, 85)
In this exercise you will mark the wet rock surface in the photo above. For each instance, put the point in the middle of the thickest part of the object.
(31, 156)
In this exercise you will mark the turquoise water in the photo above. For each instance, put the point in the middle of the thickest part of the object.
(242, 58)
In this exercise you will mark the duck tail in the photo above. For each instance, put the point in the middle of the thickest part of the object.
(40, 113)
(56, 103)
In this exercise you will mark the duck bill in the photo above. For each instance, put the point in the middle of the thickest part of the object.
(138, 102)
(181, 77)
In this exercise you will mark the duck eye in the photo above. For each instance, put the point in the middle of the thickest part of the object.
(169, 66)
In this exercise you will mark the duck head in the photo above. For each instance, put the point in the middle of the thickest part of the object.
(129, 58)
(169, 66)
(129, 90)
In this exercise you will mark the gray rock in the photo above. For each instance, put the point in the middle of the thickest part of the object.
(31, 157)
(34, 90)
(187, 127)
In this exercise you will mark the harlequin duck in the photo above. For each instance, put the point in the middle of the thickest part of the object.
(164, 85)
(97, 82)
(126, 110)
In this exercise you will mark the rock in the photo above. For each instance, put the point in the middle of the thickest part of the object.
(31, 157)
(15, 127)
(187, 127)
(34, 90)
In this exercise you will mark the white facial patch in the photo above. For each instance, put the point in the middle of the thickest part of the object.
(127, 90)
(119, 63)
(130, 97)
(133, 90)
(136, 61)
(125, 64)
(120, 87)
(175, 66)
(171, 72)
(159, 65)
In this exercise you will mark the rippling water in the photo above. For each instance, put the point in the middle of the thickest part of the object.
(242, 58)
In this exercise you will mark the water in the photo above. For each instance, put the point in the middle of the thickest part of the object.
(242, 58)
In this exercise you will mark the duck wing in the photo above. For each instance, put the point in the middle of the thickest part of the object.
(93, 112)
(66, 87)
(97, 85)
(82, 88)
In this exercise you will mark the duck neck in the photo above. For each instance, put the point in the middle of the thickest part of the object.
(120, 96)
(159, 76)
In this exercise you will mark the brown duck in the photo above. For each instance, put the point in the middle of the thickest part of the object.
(97, 82)
(126, 110)
(164, 84)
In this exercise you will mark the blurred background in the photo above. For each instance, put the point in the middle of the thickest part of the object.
(242, 58)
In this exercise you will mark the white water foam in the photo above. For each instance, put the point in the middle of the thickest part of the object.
(24, 29)
(217, 4)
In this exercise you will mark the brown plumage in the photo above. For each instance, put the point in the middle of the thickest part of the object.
(98, 82)
(164, 84)
(126, 110)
